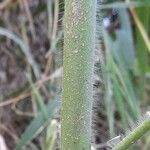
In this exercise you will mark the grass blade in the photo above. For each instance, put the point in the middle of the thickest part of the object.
(25, 49)
(36, 124)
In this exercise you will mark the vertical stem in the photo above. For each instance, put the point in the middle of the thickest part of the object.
(79, 44)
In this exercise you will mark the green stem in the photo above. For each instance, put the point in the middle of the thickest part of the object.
(136, 134)
(79, 44)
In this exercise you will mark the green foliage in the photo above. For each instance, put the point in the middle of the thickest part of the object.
(50, 136)
(38, 124)
(142, 51)
(120, 60)
(122, 57)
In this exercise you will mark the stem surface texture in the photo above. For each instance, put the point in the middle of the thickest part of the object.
(79, 44)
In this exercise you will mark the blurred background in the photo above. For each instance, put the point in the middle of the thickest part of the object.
(31, 54)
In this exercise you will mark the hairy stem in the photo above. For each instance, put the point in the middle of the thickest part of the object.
(136, 134)
(79, 44)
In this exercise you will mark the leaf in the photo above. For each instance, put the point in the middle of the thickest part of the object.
(39, 100)
(119, 99)
(51, 136)
(118, 70)
(123, 51)
(124, 4)
(37, 123)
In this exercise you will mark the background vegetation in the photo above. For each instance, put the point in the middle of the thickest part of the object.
(31, 48)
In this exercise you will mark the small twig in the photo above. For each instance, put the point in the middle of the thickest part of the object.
(55, 20)
(135, 135)
(7, 3)
(38, 84)
(14, 100)
(98, 146)
(30, 18)
(22, 113)
(50, 18)
(53, 36)
(10, 133)
(4, 4)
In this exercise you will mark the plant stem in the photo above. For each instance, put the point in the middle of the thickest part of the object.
(79, 44)
(136, 134)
